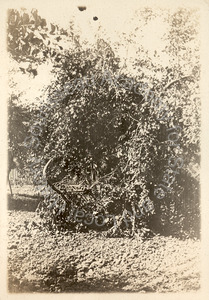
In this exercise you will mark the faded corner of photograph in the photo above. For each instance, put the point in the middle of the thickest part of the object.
(103, 179)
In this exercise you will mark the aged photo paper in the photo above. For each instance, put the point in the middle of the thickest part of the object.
(104, 149)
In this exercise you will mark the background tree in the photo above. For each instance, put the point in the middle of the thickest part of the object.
(31, 42)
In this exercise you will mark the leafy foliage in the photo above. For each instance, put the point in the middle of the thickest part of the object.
(31, 41)
(18, 127)
(115, 138)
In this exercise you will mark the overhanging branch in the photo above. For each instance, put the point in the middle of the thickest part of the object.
(177, 80)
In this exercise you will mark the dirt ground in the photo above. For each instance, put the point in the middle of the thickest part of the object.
(89, 262)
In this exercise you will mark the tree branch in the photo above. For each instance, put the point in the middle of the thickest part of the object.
(177, 80)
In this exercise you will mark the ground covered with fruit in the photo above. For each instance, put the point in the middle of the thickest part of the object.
(39, 261)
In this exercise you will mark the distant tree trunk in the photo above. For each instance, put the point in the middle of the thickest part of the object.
(12, 164)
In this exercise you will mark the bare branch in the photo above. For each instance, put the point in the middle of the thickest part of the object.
(177, 80)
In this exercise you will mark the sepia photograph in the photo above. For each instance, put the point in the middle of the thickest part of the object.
(103, 147)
